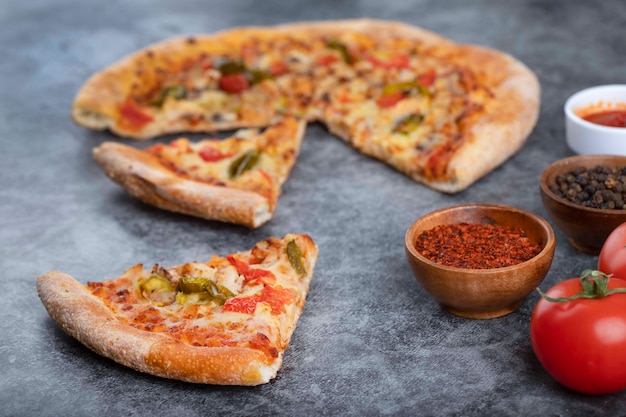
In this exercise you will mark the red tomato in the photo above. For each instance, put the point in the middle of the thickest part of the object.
(426, 79)
(241, 304)
(277, 298)
(612, 258)
(582, 343)
(259, 276)
(390, 100)
(133, 115)
(234, 83)
(254, 276)
(209, 154)
(398, 60)
(327, 59)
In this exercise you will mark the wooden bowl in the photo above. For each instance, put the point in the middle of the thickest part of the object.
(481, 293)
(587, 228)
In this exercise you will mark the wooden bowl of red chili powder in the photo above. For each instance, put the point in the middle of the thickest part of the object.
(480, 260)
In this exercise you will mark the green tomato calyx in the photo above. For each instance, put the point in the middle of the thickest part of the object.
(595, 284)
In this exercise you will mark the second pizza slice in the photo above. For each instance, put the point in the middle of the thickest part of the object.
(235, 180)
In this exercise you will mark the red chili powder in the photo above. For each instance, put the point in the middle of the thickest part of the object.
(476, 246)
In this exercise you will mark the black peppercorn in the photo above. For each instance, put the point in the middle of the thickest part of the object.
(582, 180)
(598, 187)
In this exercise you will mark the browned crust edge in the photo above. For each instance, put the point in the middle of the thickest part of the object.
(506, 123)
(86, 318)
(143, 176)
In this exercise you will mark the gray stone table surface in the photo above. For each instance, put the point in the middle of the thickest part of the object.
(370, 340)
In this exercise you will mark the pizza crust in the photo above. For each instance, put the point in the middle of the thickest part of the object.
(144, 177)
(86, 318)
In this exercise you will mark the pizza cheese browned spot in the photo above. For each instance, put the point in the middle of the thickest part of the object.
(225, 321)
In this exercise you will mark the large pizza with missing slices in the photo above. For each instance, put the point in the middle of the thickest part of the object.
(443, 113)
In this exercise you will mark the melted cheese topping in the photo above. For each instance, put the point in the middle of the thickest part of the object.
(342, 81)
(265, 300)
(214, 161)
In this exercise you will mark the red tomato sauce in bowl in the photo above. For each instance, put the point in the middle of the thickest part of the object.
(611, 118)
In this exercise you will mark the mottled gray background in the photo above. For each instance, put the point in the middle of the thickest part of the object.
(370, 340)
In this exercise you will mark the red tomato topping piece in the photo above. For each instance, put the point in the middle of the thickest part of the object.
(245, 305)
(277, 298)
(234, 83)
(259, 276)
(251, 275)
(241, 266)
(327, 59)
(390, 100)
(428, 78)
(398, 60)
(133, 115)
(209, 154)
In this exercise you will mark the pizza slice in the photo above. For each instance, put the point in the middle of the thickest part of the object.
(236, 180)
(445, 115)
(227, 321)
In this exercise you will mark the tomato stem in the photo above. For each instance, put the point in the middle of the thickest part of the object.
(594, 285)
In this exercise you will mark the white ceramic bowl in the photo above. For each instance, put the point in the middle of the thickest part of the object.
(589, 138)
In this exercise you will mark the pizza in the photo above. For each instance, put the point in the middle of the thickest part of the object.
(227, 321)
(237, 179)
(443, 113)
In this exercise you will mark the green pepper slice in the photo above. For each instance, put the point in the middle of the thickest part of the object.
(156, 283)
(343, 50)
(190, 285)
(295, 257)
(257, 75)
(254, 76)
(200, 290)
(219, 294)
(408, 124)
(232, 67)
(244, 163)
(176, 92)
(406, 87)
(157, 289)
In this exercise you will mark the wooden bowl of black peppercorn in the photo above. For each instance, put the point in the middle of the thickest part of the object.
(585, 196)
